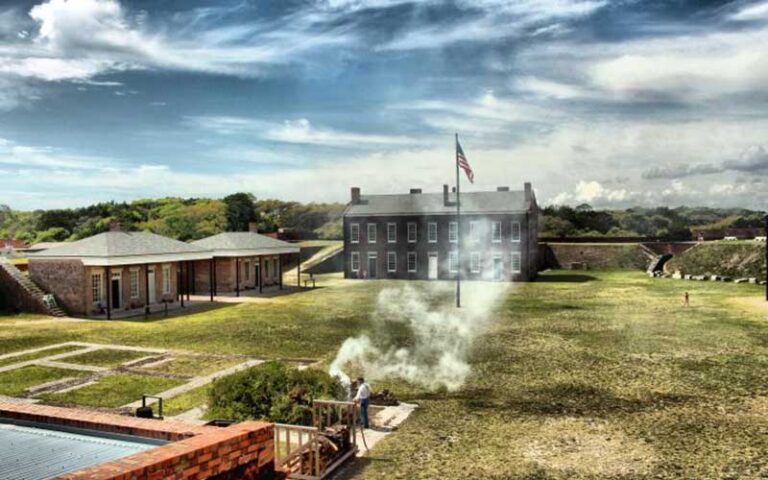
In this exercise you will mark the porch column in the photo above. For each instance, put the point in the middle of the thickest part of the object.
(211, 265)
(146, 289)
(237, 276)
(215, 280)
(180, 282)
(298, 269)
(109, 293)
(189, 279)
(280, 275)
(261, 276)
(194, 283)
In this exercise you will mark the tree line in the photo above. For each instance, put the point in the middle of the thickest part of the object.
(181, 218)
(194, 218)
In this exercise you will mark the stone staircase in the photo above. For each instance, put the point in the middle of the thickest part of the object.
(21, 284)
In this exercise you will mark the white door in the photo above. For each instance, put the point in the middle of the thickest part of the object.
(432, 271)
(152, 286)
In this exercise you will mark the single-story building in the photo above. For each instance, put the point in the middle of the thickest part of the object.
(243, 261)
(115, 271)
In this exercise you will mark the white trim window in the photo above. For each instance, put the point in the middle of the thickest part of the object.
(496, 232)
(391, 261)
(166, 279)
(412, 230)
(516, 262)
(247, 270)
(391, 233)
(453, 262)
(474, 262)
(432, 232)
(96, 287)
(474, 231)
(515, 232)
(412, 265)
(371, 233)
(134, 280)
(354, 263)
(354, 233)
(453, 232)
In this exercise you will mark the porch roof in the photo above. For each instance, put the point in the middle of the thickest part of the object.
(124, 248)
(243, 244)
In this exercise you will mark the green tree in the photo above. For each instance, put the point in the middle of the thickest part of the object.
(240, 211)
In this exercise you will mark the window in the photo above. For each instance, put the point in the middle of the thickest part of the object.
(432, 232)
(391, 261)
(411, 261)
(474, 262)
(496, 232)
(515, 233)
(474, 231)
(134, 284)
(355, 263)
(391, 233)
(247, 268)
(266, 268)
(453, 262)
(96, 287)
(166, 279)
(354, 233)
(516, 262)
(371, 233)
(411, 232)
(453, 232)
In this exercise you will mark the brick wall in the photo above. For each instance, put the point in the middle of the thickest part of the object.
(65, 279)
(241, 451)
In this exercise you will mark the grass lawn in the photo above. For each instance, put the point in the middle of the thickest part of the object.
(186, 401)
(105, 357)
(582, 375)
(14, 382)
(41, 354)
(195, 366)
(112, 391)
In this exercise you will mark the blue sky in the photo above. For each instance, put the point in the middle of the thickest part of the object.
(614, 103)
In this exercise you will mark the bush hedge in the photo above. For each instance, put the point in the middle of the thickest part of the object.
(271, 391)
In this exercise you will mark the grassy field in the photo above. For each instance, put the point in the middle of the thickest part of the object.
(112, 391)
(106, 357)
(14, 382)
(582, 375)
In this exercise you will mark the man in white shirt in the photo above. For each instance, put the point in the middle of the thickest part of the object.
(363, 396)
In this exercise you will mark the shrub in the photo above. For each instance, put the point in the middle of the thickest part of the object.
(271, 391)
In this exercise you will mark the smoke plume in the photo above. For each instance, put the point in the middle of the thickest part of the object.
(418, 335)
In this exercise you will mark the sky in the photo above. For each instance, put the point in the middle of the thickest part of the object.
(614, 103)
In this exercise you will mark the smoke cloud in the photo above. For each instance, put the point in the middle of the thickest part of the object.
(418, 335)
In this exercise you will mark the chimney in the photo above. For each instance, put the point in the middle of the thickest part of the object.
(415, 191)
(502, 189)
(528, 192)
(355, 195)
(445, 195)
(253, 227)
(115, 227)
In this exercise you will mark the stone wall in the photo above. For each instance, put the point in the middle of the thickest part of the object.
(593, 256)
(65, 279)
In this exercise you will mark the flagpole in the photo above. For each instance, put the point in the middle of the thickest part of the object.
(458, 229)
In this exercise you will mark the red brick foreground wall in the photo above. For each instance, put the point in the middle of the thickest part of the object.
(241, 451)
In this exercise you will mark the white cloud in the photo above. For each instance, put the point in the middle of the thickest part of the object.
(300, 131)
(758, 11)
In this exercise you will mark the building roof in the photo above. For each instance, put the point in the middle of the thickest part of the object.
(36, 247)
(15, 244)
(241, 244)
(433, 203)
(124, 248)
(39, 454)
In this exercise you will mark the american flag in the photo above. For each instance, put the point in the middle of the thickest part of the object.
(463, 163)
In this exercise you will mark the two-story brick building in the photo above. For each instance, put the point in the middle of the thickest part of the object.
(415, 235)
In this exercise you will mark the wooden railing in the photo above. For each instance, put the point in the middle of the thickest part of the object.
(294, 442)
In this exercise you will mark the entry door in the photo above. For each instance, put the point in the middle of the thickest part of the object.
(257, 275)
(152, 286)
(498, 269)
(432, 270)
(115, 291)
(372, 272)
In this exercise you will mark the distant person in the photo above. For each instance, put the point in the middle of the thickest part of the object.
(363, 397)
(686, 300)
